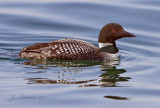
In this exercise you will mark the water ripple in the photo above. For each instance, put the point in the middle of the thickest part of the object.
(133, 79)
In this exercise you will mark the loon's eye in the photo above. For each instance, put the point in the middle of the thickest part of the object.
(114, 30)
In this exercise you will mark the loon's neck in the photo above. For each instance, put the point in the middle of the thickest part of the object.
(108, 47)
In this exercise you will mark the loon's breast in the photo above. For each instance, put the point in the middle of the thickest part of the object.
(64, 49)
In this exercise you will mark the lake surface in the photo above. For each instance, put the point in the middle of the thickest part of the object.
(132, 82)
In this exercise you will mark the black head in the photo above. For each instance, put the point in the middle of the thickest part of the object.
(111, 32)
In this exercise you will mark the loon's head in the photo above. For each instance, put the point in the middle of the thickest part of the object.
(111, 32)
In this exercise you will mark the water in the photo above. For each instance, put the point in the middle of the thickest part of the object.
(131, 82)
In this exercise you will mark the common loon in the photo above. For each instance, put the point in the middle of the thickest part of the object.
(74, 49)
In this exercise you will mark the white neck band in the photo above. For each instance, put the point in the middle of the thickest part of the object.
(104, 44)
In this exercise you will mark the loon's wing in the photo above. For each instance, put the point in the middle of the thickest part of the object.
(35, 51)
(64, 49)
(34, 48)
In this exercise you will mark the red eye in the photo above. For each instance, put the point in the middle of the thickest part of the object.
(114, 31)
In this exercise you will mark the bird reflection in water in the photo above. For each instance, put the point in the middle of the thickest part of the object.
(110, 75)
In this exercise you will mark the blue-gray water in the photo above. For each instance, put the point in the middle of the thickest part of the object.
(133, 82)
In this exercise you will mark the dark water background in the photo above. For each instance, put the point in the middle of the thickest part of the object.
(132, 82)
